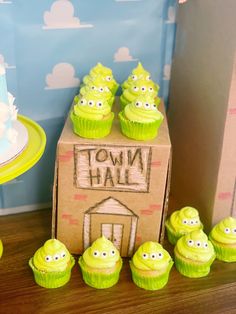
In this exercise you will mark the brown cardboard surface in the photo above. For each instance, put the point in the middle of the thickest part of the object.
(199, 108)
(113, 186)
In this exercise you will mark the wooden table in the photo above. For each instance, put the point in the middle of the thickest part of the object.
(22, 234)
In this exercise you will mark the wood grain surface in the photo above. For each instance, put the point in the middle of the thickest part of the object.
(23, 234)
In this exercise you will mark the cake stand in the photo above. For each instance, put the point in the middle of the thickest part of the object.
(30, 155)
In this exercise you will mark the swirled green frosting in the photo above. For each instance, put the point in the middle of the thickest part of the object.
(52, 256)
(151, 256)
(139, 73)
(137, 88)
(195, 246)
(143, 110)
(185, 220)
(101, 254)
(91, 106)
(225, 231)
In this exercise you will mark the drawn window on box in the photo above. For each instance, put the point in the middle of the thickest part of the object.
(113, 232)
(115, 221)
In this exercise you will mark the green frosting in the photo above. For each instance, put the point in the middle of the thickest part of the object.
(91, 106)
(139, 73)
(101, 254)
(185, 220)
(52, 256)
(103, 73)
(225, 231)
(151, 256)
(137, 88)
(143, 110)
(195, 246)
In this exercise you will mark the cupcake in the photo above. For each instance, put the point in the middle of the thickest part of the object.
(99, 85)
(194, 254)
(91, 116)
(140, 120)
(105, 74)
(139, 73)
(150, 266)
(223, 238)
(137, 88)
(182, 222)
(101, 264)
(52, 264)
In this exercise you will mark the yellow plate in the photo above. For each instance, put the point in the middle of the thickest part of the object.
(31, 154)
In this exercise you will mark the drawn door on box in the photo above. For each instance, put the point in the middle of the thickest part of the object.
(115, 221)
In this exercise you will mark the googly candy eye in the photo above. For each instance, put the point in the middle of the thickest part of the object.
(101, 89)
(205, 245)
(134, 77)
(227, 230)
(190, 242)
(113, 252)
(108, 78)
(191, 222)
(93, 87)
(96, 254)
(198, 243)
(143, 89)
(99, 104)
(160, 255)
(63, 254)
(138, 104)
(145, 255)
(83, 102)
(135, 88)
(153, 256)
(56, 257)
(154, 106)
(196, 222)
(148, 78)
(147, 105)
(48, 258)
(150, 89)
(104, 254)
(234, 230)
(185, 221)
(91, 103)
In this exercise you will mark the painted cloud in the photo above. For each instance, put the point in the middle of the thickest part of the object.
(6, 65)
(62, 76)
(123, 55)
(61, 16)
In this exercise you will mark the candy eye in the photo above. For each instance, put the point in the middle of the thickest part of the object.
(91, 103)
(113, 252)
(196, 222)
(145, 255)
(227, 230)
(205, 245)
(95, 253)
(93, 87)
(135, 88)
(104, 254)
(154, 106)
(108, 78)
(143, 89)
(63, 254)
(83, 102)
(190, 242)
(147, 105)
(191, 222)
(159, 255)
(99, 104)
(48, 258)
(134, 77)
(234, 230)
(198, 243)
(148, 78)
(153, 256)
(56, 257)
(101, 89)
(150, 89)
(138, 104)
(185, 221)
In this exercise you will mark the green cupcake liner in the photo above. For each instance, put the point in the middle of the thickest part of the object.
(123, 102)
(91, 128)
(51, 279)
(191, 269)
(223, 253)
(139, 131)
(150, 282)
(99, 280)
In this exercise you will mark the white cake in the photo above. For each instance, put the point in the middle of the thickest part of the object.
(13, 135)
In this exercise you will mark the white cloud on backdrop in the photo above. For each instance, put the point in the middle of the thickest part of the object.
(61, 16)
(5, 2)
(5, 64)
(62, 76)
(123, 55)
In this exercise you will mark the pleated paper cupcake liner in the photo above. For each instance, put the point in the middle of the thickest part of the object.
(224, 253)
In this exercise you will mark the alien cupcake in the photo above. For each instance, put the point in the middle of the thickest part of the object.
(101, 264)
(194, 254)
(92, 116)
(139, 73)
(140, 120)
(104, 73)
(100, 86)
(223, 238)
(150, 266)
(182, 222)
(137, 88)
(52, 264)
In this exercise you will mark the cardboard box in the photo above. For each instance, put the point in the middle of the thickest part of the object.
(113, 186)
(202, 115)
